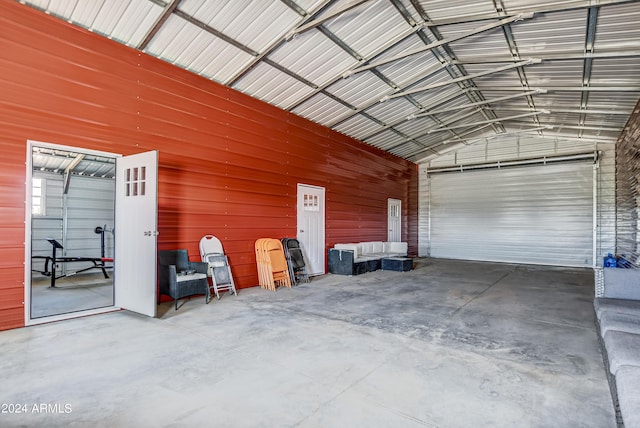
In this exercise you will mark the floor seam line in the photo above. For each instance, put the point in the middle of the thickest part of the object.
(345, 389)
(481, 293)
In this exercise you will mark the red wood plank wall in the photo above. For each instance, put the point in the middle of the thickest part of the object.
(229, 164)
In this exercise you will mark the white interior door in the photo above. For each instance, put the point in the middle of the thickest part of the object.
(311, 227)
(394, 214)
(136, 232)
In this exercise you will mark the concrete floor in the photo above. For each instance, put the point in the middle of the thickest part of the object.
(71, 294)
(450, 344)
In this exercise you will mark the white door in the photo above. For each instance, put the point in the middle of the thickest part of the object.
(136, 232)
(394, 213)
(311, 227)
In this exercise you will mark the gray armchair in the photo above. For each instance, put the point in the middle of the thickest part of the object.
(178, 277)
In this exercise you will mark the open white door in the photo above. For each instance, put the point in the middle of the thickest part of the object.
(311, 227)
(394, 212)
(136, 233)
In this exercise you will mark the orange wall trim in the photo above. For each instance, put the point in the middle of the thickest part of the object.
(229, 164)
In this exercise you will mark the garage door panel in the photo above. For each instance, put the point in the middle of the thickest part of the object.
(537, 214)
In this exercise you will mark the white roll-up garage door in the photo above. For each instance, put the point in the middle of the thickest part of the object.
(536, 214)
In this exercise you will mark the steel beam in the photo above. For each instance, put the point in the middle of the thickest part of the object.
(319, 21)
(500, 119)
(461, 79)
(439, 43)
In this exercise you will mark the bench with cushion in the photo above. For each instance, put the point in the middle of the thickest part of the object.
(618, 322)
(362, 257)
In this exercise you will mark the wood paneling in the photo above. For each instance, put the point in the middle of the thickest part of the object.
(228, 165)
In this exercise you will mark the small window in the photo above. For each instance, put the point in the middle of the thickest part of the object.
(38, 196)
(135, 181)
(311, 203)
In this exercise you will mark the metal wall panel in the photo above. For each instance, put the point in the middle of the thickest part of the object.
(89, 203)
(606, 195)
(424, 207)
(628, 190)
(475, 153)
(228, 164)
(535, 214)
(50, 224)
(531, 147)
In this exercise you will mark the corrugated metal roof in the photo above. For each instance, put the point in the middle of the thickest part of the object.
(255, 24)
(416, 78)
(323, 109)
(360, 89)
(392, 111)
(442, 10)
(270, 84)
(488, 44)
(359, 126)
(62, 161)
(367, 28)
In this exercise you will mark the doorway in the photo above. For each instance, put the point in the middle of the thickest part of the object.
(311, 212)
(76, 201)
(69, 232)
(394, 213)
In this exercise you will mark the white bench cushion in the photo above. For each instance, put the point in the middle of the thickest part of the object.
(192, 277)
(350, 247)
(622, 306)
(628, 387)
(611, 320)
(623, 349)
(399, 248)
(372, 250)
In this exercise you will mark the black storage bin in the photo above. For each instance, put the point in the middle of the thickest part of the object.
(398, 264)
(341, 263)
(373, 265)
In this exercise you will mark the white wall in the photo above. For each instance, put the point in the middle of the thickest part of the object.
(72, 219)
(519, 148)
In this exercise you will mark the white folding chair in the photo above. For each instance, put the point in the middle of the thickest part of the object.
(219, 270)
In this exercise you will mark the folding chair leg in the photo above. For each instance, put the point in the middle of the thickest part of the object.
(215, 287)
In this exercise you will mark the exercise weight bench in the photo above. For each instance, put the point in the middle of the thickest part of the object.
(51, 263)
